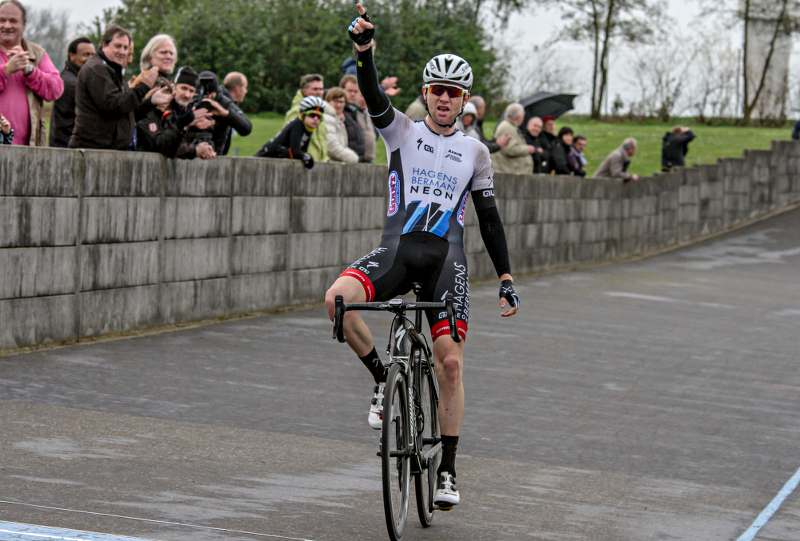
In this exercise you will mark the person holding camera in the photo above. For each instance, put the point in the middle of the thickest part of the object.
(196, 139)
(292, 141)
(227, 115)
(163, 130)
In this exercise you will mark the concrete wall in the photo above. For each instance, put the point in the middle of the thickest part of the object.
(99, 242)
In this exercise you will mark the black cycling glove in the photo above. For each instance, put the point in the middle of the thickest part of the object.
(508, 293)
(364, 37)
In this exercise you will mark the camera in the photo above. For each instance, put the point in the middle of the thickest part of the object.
(206, 84)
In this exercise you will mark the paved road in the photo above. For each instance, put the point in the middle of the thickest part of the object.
(652, 400)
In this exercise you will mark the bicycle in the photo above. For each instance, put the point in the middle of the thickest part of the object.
(411, 442)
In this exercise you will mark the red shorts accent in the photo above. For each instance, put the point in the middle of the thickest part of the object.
(366, 283)
(443, 329)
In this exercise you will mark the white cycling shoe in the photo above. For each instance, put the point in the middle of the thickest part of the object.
(446, 495)
(375, 418)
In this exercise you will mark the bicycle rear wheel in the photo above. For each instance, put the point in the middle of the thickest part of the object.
(395, 458)
(429, 438)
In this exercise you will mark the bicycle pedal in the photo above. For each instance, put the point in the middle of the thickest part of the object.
(443, 506)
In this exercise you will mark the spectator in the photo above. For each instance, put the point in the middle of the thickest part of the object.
(292, 142)
(359, 110)
(6, 132)
(616, 163)
(563, 161)
(27, 77)
(538, 145)
(796, 131)
(160, 52)
(338, 149)
(675, 146)
(228, 116)
(185, 101)
(515, 157)
(162, 130)
(466, 122)
(355, 134)
(493, 145)
(578, 146)
(549, 129)
(104, 105)
(312, 85)
(417, 110)
(62, 118)
(236, 85)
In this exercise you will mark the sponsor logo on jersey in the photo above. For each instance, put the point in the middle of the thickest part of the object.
(453, 155)
(394, 193)
(427, 148)
(461, 209)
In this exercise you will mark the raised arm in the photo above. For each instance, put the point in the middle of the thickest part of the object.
(378, 104)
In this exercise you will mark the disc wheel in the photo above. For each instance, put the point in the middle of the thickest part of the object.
(395, 460)
(427, 426)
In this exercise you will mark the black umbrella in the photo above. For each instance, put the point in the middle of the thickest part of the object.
(543, 104)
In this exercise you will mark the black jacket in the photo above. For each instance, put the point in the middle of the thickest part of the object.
(558, 158)
(541, 160)
(291, 142)
(355, 137)
(105, 106)
(62, 119)
(674, 149)
(236, 119)
(163, 131)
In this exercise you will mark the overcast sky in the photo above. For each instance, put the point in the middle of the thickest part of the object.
(525, 30)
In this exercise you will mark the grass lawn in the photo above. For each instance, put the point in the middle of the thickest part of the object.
(711, 143)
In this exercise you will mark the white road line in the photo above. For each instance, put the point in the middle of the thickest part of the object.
(111, 538)
(773, 506)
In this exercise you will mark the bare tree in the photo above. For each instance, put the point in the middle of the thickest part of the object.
(715, 77)
(661, 74)
(546, 68)
(765, 86)
(604, 23)
(50, 29)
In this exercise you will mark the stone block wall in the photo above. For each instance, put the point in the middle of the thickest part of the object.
(99, 242)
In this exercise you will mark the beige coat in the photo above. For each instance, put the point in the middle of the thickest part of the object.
(368, 129)
(514, 157)
(338, 151)
(615, 165)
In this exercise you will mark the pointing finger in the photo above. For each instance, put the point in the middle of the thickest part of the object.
(361, 10)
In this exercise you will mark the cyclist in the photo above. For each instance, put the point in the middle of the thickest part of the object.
(292, 141)
(433, 168)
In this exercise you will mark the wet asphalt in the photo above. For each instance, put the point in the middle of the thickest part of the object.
(650, 400)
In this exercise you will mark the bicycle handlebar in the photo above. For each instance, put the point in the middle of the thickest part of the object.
(397, 306)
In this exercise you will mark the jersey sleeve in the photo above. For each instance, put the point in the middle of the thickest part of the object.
(398, 131)
(482, 178)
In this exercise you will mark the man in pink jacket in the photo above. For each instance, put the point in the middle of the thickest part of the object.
(27, 78)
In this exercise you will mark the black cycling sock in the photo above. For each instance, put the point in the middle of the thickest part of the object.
(375, 366)
(449, 446)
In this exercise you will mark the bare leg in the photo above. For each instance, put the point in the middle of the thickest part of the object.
(355, 330)
(449, 358)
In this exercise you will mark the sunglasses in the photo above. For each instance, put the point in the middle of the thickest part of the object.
(452, 91)
(314, 115)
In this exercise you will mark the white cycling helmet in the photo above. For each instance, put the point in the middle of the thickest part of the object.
(448, 69)
(470, 109)
(312, 103)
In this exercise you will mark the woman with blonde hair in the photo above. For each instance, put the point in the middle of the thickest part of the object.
(160, 52)
(338, 149)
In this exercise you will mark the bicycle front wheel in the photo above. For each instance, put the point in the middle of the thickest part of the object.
(430, 437)
(395, 452)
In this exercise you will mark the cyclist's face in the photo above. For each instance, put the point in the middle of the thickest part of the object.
(444, 109)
